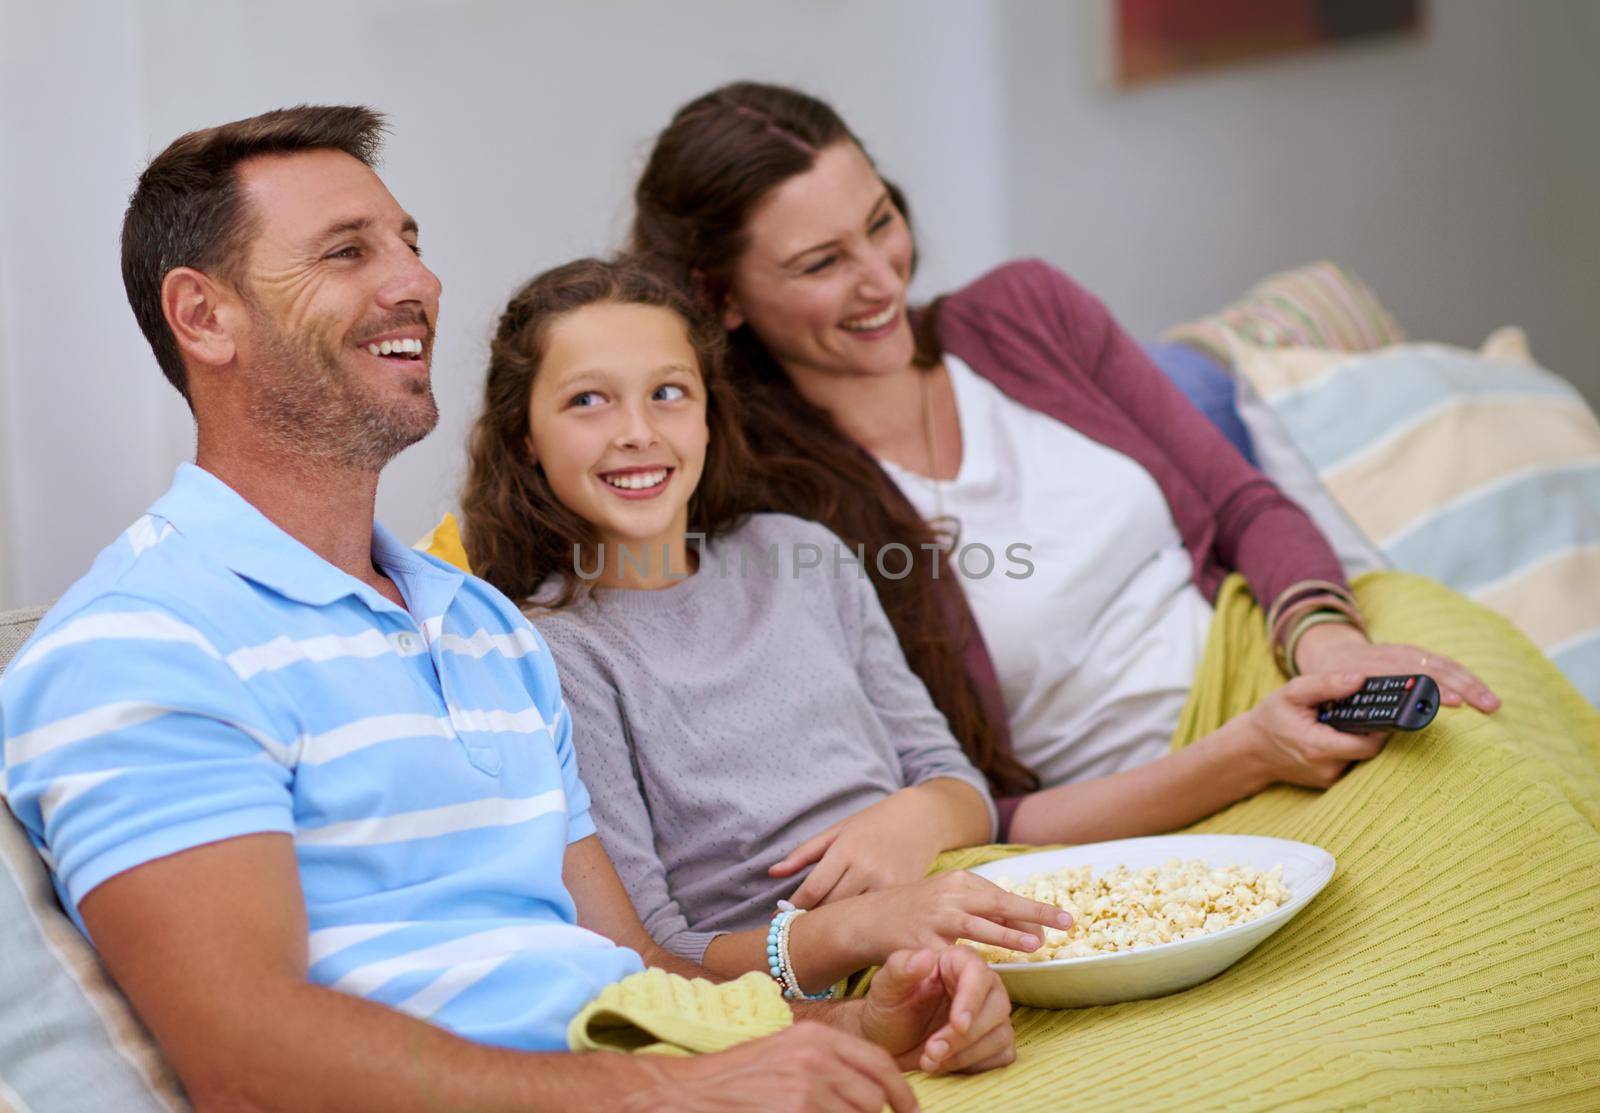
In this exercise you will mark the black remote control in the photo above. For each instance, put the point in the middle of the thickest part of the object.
(1384, 704)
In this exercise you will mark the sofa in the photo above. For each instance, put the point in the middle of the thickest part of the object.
(1314, 337)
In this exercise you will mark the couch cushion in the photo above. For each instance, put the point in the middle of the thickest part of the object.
(1281, 460)
(1319, 305)
(15, 628)
(1209, 385)
(1479, 469)
(68, 1040)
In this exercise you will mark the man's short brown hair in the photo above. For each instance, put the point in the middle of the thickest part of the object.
(188, 210)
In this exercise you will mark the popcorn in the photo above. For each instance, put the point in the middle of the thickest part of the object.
(1124, 910)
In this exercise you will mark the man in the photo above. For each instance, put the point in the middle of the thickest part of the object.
(306, 789)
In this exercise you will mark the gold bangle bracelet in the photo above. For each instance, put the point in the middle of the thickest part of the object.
(1316, 618)
(1295, 591)
(1285, 616)
(1279, 632)
(1289, 627)
(1349, 611)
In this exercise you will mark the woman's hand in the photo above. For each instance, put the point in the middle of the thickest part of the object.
(1335, 647)
(930, 914)
(892, 842)
(1290, 745)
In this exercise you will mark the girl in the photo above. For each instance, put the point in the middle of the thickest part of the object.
(735, 690)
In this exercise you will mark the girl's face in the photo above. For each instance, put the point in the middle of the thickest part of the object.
(823, 277)
(617, 418)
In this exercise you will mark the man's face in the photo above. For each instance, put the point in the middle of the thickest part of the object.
(342, 311)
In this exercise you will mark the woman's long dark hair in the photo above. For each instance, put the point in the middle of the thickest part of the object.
(517, 534)
(721, 154)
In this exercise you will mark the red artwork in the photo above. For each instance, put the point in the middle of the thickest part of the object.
(1158, 38)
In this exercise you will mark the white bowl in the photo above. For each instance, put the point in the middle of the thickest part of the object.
(1065, 983)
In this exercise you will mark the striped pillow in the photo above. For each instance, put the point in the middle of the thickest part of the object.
(1319, 305)
(1478, 469)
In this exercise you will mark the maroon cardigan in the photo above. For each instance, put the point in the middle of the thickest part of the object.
(1049, 344)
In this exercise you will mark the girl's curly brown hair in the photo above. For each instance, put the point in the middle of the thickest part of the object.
(517, 534)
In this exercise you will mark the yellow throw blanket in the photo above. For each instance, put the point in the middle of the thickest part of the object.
(1452, 963)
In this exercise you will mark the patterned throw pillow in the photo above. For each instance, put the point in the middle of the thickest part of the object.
(1479, 469)
(1319, 305)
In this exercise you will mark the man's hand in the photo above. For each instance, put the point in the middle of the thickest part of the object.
(940, 1011)
(811, 1067)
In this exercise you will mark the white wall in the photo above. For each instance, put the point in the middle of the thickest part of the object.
(517, 130)
(1457, 174)
(91, 431)
(1561, 60)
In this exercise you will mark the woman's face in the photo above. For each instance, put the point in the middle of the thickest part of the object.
(617, 419)
(823, 276)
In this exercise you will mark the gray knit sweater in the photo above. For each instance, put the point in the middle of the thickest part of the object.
(723, 720)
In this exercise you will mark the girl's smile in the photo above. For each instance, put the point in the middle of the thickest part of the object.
(638, 483)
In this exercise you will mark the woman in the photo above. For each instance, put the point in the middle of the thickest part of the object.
(730, 698)
(1013, 416)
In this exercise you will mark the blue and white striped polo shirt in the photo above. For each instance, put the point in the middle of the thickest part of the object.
(212, 677)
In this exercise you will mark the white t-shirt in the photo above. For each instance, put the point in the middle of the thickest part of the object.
(1096, 647)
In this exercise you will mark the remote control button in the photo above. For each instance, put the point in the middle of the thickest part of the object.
(1410, 681)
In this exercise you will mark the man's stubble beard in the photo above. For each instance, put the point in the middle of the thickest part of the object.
(317, 410)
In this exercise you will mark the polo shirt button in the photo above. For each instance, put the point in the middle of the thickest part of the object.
(407, 643)
(485, 758)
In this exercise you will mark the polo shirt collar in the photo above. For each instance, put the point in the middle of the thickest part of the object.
(217, 518)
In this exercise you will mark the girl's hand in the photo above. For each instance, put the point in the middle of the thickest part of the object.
(1288, 743)
(1334, 647)
(930, 914)
(892, 842)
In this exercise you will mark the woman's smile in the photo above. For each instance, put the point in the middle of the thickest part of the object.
(875, 325)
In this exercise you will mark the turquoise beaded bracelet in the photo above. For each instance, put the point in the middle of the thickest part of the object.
(778, 964)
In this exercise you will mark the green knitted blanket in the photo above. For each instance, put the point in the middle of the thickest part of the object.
(1453, 963)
